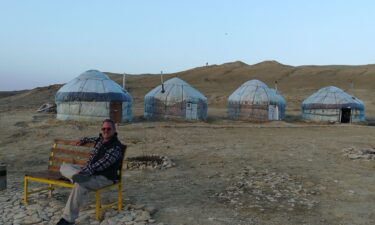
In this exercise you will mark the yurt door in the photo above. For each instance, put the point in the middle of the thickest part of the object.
(116, 111)
(191, 111)
(273, 112)
(345, 115)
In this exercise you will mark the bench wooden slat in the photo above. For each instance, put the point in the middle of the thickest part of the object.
(71, 142)
(69, 160)
(72, 152)
(51, 175)
(65, 142)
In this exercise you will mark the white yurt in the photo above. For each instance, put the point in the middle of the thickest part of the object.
(331, 104)
(93, 96)
(175, 99)
(255, 101)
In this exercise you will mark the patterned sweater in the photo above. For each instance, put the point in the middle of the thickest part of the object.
(103, 156)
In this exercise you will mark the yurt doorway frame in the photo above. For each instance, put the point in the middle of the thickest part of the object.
(273, 112)
(115, 111)
(191, 111)
(346, 115)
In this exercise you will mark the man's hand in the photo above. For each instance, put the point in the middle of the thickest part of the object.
(78, 143)
(80, 178)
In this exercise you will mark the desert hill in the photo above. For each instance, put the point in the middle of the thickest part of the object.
(28, 98)
(217, 82)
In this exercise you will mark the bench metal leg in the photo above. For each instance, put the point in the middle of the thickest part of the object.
(119, 204)
(50, 189)
(98, 205)
(25, 190)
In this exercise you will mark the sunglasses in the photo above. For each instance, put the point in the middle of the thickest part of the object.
(106, 129)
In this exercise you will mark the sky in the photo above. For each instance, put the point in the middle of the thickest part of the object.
(44, 42)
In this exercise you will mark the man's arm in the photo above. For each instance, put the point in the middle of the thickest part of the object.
(86, 140)
(110, 157)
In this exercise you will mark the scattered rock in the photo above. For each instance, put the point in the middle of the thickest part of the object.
(361, 154)
(264, 190)
(149, 162)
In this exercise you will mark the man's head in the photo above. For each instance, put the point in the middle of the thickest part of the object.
(108, 129)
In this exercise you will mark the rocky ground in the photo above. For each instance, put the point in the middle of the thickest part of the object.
(267, 190)
(45, 211)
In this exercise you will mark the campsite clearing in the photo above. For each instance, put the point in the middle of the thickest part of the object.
(210, 157)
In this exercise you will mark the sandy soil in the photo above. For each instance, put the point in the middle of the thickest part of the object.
(211, 156)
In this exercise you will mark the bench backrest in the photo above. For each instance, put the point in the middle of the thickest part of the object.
(67, 151)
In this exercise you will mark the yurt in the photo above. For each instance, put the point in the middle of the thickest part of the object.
(175, 99)
(255, 101)
(331, 104)
(93, 96)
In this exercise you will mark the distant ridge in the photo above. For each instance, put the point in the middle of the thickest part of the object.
(217, 82)
(4, 94)
(270, 63)
(235, 64)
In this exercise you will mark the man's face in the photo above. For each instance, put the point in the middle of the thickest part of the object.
(107, 131)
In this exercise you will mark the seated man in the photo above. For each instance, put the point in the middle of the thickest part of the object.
(100, 169)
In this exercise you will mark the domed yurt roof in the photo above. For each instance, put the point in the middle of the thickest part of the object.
(330, 98)
(175, 90)
(92, 85)
(254, 92)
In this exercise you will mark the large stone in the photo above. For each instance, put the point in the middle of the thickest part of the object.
(19, 215)
(104, 222)
(32, 220)
(112, 221)
(127, 218)
(140, 223)
(150, 209)
(143, 216)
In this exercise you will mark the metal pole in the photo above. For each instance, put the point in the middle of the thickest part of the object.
(276, 85)
(123, 81)
(162, 82)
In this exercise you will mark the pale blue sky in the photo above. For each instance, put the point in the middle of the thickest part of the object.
(48, 42)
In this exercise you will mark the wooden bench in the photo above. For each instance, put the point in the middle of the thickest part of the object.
(67, 151)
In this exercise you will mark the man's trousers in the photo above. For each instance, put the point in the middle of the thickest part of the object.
(79, 191)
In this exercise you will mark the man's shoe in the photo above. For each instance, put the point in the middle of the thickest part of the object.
(64, 222)
(80, 178)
